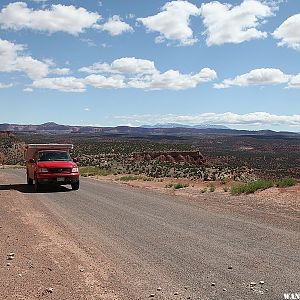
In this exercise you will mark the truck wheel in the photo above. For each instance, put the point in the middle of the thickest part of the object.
(29, 180)
(37, 186)
(75, 186)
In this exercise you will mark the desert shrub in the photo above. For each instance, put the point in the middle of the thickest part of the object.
(212, 188)
(285, 182)
(169, 185)
(251, 187)
(237, 189)
(130, 177)
(145, 178)
(203, 190)
(261, 184)
(180, 186)
(225, 189)
(224, 180)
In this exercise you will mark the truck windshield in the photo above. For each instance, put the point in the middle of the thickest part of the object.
(53, 156)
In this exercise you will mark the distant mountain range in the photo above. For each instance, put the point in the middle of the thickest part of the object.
(176, 125)
(171, 129)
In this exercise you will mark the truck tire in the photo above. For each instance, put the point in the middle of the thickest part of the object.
(29, 180)
(37, 186)
(75, 186)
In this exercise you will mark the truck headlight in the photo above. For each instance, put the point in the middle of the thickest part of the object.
(74, 170)
(43, 170)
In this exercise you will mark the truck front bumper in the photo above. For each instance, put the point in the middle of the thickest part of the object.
(60, 179)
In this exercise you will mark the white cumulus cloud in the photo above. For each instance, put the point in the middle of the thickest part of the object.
(122, 65)
(172, 80)
(294, 82)
(5, 86)
(127, 72)
(289, 32)
(28, 90)
(66, 84)
(13, 59)
(142, 74)
(228, 118)
(97, 68)
(173, 22)
(60, 71)
(73, 84)
(115, 26)
(32, 67)
(99, 81)
(264, 76)
(234, 24)
(58, 18)
(133, 65)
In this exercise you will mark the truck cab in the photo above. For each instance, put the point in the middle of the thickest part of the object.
(51, 164)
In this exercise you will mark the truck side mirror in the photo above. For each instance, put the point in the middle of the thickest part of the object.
(32, 160)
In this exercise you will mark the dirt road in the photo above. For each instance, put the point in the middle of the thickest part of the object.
(108, 241)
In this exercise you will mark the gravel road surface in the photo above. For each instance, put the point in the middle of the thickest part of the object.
(140, 244)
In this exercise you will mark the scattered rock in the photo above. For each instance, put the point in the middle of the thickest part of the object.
(49, 290)
(252, 283)
(159, 288)
(10, 256)
(176, 293)
(8, 264)
(152, 295)
(81, 270)
(230, 267)
(261, 282)
(224, 290)
(20, 275)
(213, 284)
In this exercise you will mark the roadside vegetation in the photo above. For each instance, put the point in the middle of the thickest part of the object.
(212, 188)
(177, 186)
(135, 177)
(94, 171)
(285, 182)
(252, 187)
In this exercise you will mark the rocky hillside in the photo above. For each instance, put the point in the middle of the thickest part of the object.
(190, 157)
(11, 150)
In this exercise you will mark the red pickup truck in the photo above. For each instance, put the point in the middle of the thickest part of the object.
(51, 164)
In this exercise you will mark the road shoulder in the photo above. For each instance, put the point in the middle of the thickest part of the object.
(40, 259)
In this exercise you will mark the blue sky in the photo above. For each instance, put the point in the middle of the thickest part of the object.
(116, 62)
